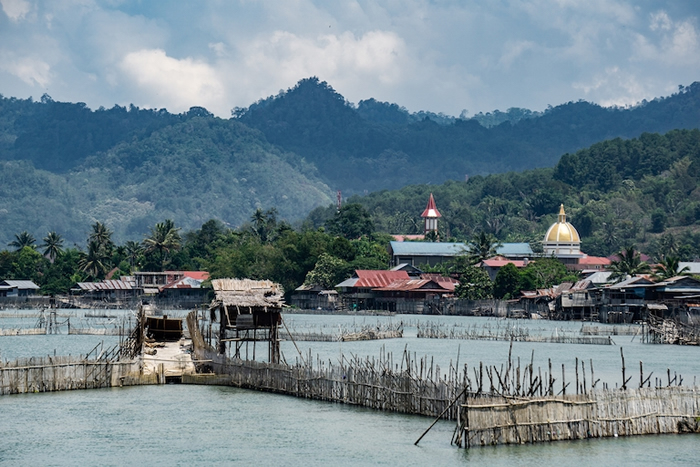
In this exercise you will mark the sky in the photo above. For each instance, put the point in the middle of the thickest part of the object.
(454, 57)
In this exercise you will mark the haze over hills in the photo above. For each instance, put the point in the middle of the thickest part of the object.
(64, 166)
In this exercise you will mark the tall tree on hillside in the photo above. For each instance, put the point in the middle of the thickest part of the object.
(23, 239)
(668, 268)
(352, 221)
(264, 224)
(53, 246)
(164, 239)
(628, 264)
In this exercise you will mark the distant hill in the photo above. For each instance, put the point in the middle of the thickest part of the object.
(379, 145)
(197, 169)
(64, 166)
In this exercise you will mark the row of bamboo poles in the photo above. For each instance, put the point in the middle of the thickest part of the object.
(505, 333)
(347, 334)
(608, 413)
(409, 385)
(100, 368)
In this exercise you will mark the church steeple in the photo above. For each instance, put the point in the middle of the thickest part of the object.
(431, 215)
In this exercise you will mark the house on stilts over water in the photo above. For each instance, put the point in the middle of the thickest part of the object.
(248, 312)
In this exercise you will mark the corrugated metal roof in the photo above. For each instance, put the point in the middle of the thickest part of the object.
(372, 278)
(453, 249)
(184, 283)
(415, 285)
(107, 285)
(21, 284)
(427, 248)
(499, 263)
(515, 249)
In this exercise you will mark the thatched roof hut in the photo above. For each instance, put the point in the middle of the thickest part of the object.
(248, 311)
(247, 293)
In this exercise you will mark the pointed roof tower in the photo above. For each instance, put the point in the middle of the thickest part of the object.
(431, 209)
(431, 215)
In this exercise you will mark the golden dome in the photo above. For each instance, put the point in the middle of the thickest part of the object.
(562, 231)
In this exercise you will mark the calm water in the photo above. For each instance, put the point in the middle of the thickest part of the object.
(174, 424)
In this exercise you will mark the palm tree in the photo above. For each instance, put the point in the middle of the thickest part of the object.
(668, 268)
(482, 246)
(102, 236)
(94, 262)
(628, 264)
(133, 251)
(164, 238)
(53, 246)
(23, 239)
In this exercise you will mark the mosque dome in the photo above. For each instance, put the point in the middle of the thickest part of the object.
(562, 231)
(562, 239)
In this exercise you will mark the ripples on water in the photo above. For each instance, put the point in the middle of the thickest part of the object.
(175, 424)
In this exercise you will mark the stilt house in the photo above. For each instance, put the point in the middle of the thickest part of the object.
(248, 311)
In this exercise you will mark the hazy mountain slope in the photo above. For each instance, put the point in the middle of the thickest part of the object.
(190, 172)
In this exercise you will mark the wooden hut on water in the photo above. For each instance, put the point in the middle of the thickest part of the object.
(248, 311)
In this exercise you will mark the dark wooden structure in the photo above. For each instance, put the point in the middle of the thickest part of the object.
(247, 311)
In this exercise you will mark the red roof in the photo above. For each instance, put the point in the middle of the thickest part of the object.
(431, 209)
(499, 263)
(372, 279)
(439, 278)
(418, 285)
(593, 260)
(198, 275)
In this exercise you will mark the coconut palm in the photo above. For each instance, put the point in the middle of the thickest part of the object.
(482, 246)
(94, 262)
(164, 238)
(53, 246)
(23, 239)
(102, 236)
(133, 251)
(628, 264)
(669, 267)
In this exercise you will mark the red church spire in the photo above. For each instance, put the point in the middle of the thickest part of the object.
(431, 209)
(431, 215)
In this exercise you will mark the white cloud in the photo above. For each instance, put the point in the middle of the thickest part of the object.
(168, 82)
(30, 70)
(16, 10)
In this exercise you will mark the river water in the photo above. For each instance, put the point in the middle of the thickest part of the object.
(178, 424)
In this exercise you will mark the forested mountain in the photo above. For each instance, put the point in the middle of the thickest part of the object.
(64, 166)
(379, 145)
(196, 169)
(643, 191)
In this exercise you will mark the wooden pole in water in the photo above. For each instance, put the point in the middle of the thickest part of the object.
(440, 416)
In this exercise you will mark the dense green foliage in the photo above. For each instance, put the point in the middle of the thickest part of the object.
(643, 191)
(64, 166)
(264, 248)
(379, 145)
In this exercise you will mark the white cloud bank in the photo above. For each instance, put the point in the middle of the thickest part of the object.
(437, 56)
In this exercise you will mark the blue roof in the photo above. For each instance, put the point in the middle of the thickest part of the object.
(453, 249)
(427, 248)
(515, 249)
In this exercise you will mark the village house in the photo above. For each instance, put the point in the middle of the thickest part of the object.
(18, 288)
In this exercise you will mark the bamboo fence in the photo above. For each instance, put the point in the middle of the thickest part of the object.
(597, 414)
(101, 368)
